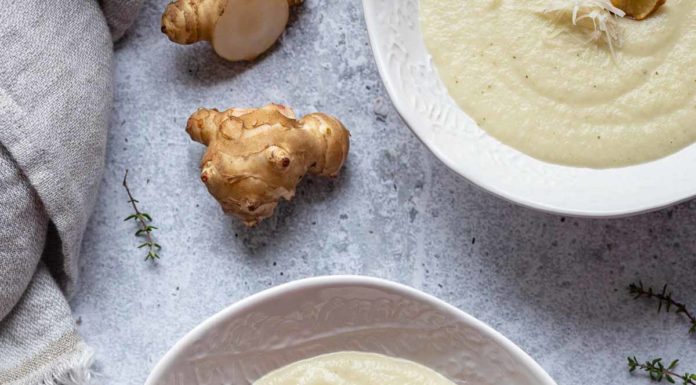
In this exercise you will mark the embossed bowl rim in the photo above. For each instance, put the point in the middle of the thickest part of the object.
(495, 167)
(287, 289)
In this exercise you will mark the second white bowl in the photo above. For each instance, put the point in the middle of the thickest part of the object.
(321, 315)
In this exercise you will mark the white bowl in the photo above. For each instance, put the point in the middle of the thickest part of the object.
(422, 100)
(320, 315)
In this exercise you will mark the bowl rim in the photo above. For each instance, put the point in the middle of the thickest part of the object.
(536, 204)
(162, 365)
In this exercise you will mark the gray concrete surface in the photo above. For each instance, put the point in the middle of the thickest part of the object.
(555, 286)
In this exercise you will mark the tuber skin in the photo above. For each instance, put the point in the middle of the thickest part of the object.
(255, 157)
(191, 21)
(187, 22)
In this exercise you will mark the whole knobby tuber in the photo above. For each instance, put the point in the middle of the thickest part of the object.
(257, 156)
(237, 29)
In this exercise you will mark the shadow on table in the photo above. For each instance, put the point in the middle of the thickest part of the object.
(277, 230)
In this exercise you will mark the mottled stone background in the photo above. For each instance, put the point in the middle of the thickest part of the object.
(556, 286)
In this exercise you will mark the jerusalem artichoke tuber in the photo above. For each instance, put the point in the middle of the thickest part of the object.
(237, 29)
(255, 157)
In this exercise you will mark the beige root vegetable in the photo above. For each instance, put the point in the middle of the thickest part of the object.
(255, 157)
(237, 29)
(638, 9)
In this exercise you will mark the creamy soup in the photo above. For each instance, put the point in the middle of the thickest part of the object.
(354, 368)
(537, 84)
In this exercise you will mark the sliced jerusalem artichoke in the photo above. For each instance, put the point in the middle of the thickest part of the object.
(638, 9)
(237, 29)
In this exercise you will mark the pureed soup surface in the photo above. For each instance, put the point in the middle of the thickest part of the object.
(354, 368)
(537, 84)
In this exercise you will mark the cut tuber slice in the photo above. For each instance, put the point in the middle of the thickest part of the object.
(237, 29)
(247, 28)
(638, 9)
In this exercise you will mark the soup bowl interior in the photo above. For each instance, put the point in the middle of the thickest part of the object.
(423, 102)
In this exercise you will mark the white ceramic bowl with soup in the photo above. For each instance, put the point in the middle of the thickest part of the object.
(318, 316)
(551, 122)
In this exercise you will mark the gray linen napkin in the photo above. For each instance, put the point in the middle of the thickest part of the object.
(55, 105)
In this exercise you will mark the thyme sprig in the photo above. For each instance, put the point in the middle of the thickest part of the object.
(657, 371)
(144, 227)
(665, 301)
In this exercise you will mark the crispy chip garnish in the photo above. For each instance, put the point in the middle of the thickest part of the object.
(638, 9)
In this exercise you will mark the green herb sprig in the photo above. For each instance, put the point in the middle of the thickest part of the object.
(144, 227)
(657, 371)
(655, 368)
(665, 301)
